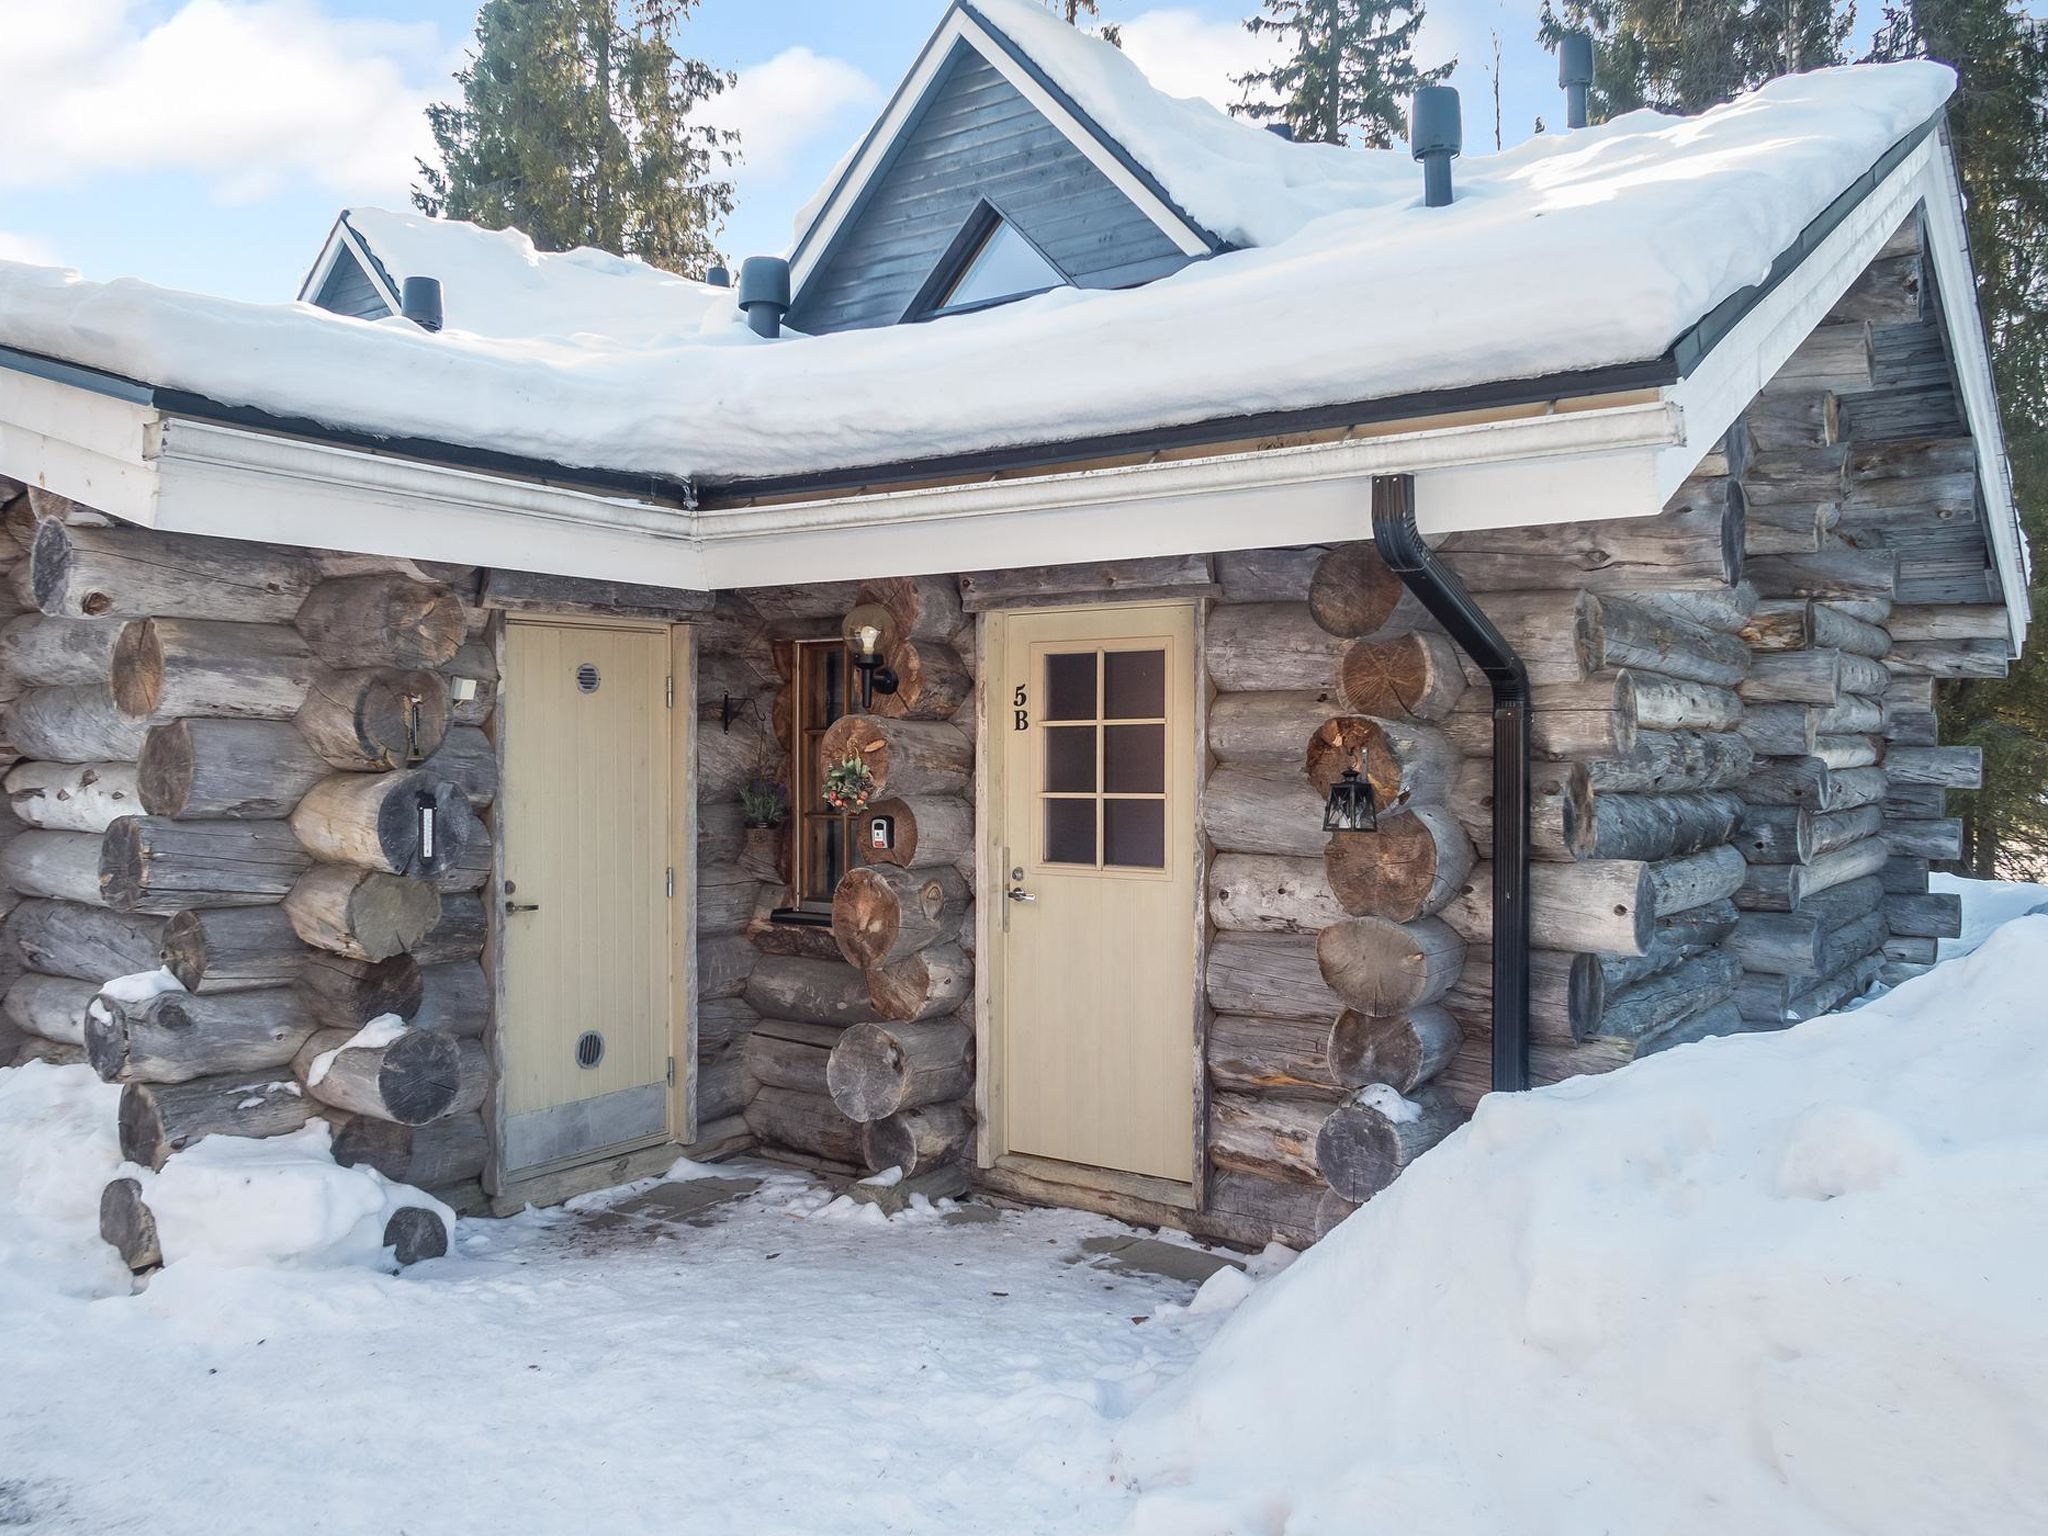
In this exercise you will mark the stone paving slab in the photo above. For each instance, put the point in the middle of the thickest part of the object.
(1150, 1256)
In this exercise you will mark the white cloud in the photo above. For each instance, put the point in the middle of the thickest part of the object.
(249, 96)
(1186, 54)
(38, 253)
(780, 106)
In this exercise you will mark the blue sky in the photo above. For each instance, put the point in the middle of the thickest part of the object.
(207, 144)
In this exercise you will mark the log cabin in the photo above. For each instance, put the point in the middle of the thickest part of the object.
(1143, 666)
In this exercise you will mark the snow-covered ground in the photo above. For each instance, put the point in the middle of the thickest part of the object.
(1792, 1284)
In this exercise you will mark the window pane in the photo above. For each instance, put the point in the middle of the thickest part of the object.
(1070, 686)
(1134, 834)
(1070, 759)
(1134, 759)
(1005, 266)
(1134, 685)
(1070, 832)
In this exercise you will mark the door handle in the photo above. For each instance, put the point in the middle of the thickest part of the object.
(522, 906)
(1018, 893)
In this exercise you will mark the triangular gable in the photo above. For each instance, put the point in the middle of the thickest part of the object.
(348, 279)
(975, 105)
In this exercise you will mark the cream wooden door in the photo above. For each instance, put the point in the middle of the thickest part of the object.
(1093, 737)
(590, 922)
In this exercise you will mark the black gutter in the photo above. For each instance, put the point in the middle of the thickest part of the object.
(1679, 361)
(1400, 544)
(1207, 432)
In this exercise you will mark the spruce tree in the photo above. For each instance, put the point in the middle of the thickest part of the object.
(1685, 57)
(575, 126)
(1999, 130)
(1349, 74)
(1074, 10)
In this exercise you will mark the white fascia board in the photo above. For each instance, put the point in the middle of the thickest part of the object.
(1956, 281)
(1564, 467)
(957, 26)
(94, 448)
(323, 264)
(230, 483)
(1171, 224)
(1556, 467)
(1749, 356)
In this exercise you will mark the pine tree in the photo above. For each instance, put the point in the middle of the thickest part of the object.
(575, 126)
(1685, 57)
(1074, 10)
(1999, 129)
(1350, 74)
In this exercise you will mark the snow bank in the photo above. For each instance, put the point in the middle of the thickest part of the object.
(1794, 1283)
(232, 1201)
(57, 1152)
(1987, 906)
(1570, 251)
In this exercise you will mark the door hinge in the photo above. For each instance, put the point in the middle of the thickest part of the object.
(671, 884)
(671, 692)
(671, 1071)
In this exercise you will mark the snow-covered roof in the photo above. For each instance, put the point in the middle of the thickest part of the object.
(1244, 185)
(1570, 252)
(495, 283)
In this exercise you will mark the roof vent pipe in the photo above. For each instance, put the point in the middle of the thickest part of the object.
(419, 300)
(718, 276)
(1436, 136)
(1575, 74)
(764, 293)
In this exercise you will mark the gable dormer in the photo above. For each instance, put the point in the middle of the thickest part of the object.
(982, 182)
(347, 278)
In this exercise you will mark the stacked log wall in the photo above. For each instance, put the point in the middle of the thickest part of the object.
(1885, 593)
(215, 757)
(849, 1040)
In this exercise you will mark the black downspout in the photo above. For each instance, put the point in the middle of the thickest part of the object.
(1400, 545)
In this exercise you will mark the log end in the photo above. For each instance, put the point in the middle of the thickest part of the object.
(127, 1224)
(415, 1233)
(138, 670)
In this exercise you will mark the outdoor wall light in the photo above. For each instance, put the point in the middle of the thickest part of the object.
(1351, 807)
(867, 631)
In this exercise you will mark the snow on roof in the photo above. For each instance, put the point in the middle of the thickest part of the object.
(495, 283)
(1243, 184)
(1571, 251)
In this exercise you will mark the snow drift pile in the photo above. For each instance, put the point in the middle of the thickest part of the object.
(1776, 1283)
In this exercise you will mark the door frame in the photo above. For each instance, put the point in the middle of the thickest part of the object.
(682, 907)
(991, 1153)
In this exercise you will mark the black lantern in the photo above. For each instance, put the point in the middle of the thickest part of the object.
(1351, 807)
(867, 633)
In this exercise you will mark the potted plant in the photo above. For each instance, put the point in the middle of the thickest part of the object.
(764, 807)
(849, 786)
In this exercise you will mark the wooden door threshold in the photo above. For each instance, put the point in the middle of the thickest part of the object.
(1132, 1197)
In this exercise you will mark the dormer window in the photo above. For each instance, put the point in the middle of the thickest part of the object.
(990, 262)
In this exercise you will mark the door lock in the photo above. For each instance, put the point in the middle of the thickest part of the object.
(522, 906)
(1018, 893)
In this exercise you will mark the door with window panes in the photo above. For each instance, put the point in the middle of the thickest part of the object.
(1095, 748)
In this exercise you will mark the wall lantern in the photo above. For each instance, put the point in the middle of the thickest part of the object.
(868, 631)
(1351, 806)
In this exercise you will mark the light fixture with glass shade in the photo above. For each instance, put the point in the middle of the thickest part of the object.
(1351, 807)
(869, 629)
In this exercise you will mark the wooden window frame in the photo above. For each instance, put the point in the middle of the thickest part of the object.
(804, 777)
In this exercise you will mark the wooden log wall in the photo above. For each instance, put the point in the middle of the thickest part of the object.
(216, 754)
(845, 1043)
(1886, 592)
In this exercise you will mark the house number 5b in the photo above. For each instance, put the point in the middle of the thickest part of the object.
(1023, 713)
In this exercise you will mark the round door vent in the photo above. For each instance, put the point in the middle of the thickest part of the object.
(587, 679)
(589, 1048)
